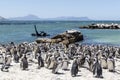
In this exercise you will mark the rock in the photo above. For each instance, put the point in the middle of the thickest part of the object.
(70, 36)
(43, 40)
(47, 40)
(65, 42)
(101, 26)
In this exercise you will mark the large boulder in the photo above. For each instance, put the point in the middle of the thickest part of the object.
(70, 36)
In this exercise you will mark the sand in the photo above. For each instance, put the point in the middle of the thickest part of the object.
(15, 73)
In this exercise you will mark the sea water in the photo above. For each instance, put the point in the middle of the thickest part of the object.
(20, 31)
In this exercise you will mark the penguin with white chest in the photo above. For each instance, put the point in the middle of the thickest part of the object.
(104, 62)
(52, 62)
(111, 64)
(97, 69)
(6, 63)
(57, 65)
(1, 58)
(74, 69)
(65, 64)
(24, 62)
(48, 60)
(16, 56)
(40, 61)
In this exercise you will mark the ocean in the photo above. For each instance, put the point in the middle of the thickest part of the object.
(20, 31)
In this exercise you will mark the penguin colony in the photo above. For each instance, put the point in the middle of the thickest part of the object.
(54, 56)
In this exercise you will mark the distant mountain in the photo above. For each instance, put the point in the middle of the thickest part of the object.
(33, 17)
(2, 18)
(28, 17)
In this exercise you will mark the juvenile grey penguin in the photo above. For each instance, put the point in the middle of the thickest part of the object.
(74, 69)
(111, 64)
(97, 69)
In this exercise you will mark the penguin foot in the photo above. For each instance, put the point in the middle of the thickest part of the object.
(111, 71)
(38, 67)
(65, 69)
(50, 68)
(97, 76)
(1, 69)
(53, 72)
(42, 66)
(73, 75)
(101, 76)
(104, 67)
(58, 73)
(79, 70)
(23, 69)
(16, 61)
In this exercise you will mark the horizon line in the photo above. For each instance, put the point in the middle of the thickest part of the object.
(61, 17)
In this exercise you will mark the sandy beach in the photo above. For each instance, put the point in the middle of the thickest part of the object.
(15, 73)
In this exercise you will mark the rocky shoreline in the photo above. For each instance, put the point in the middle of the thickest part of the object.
(101, 26)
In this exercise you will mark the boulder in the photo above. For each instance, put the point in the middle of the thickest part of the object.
(43, 40)
(70, 36)
(101, 26)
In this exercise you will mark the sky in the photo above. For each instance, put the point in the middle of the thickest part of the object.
(94, 9)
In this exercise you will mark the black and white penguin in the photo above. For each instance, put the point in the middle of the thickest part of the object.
(57, 65)
(103, 62)
(48, 60)
(1, 58)
(29, 56)
(117, 53)
(5, 68)
(51, 62)
(111, 63)
(9, 60)
(35, 51)
(65, 64)
(97, 69)
(40, 61)
(24, 62)
(16, 56)
(86, 61)
(74, 69)
(6, 64)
